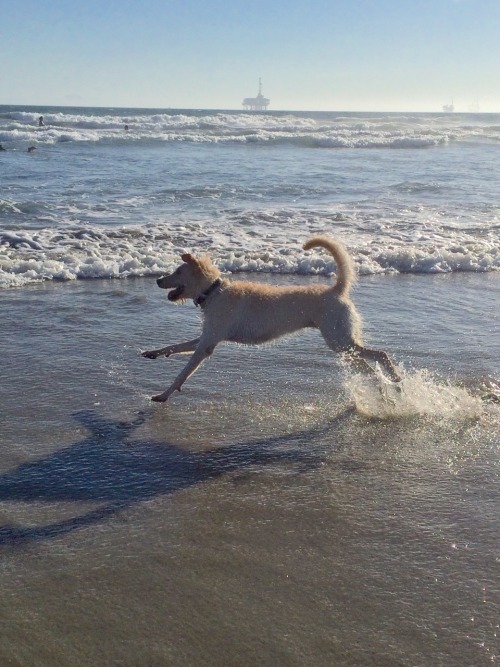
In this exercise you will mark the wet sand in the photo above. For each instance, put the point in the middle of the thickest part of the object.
(260, 517)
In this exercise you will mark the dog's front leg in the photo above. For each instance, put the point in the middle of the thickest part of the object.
(201, 353)
(179, 348)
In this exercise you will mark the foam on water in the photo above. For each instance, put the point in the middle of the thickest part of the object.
(97, 252)
(418, 394)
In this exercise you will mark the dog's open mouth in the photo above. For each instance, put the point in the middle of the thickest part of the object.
(176, 294)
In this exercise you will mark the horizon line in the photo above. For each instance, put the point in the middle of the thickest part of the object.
(245, 111)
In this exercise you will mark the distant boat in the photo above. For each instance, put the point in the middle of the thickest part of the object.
(259, 103)
(449, 108)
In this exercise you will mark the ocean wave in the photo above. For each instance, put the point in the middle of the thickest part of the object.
(95, 253)
(18, 128)
(119, 209)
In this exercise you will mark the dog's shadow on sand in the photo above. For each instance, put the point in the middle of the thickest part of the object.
(116, 471)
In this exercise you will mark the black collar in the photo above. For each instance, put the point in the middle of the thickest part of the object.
(200, 300)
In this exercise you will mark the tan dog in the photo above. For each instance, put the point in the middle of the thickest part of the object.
(253, 313)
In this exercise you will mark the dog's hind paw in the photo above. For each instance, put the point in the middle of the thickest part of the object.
(391, 392)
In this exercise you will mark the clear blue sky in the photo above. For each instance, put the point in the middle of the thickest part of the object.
(311, 54)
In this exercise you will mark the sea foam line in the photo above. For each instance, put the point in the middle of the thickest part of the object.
(92, 252)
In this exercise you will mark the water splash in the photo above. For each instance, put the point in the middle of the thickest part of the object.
(419, 394)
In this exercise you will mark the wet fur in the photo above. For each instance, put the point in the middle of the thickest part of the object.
(253, 313)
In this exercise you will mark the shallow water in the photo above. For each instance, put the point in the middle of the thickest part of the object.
(277, 511)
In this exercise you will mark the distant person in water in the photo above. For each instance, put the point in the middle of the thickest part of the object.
(1, 148)
(126, 128)
(40, 122)
(31, 149)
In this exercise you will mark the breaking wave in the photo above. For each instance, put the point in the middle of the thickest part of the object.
(18, 128)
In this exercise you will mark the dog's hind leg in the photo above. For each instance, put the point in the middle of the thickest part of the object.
(356, 363)
(358, 353)
(342, 341)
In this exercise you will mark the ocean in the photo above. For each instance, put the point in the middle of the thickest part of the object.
(278, 511)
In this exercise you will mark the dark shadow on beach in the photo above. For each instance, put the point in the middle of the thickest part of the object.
(110, 468)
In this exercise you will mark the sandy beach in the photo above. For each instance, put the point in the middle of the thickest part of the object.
(263, 516)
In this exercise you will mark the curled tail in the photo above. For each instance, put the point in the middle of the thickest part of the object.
(346, 273)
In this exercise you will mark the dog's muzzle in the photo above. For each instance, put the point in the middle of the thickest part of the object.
(161, 283)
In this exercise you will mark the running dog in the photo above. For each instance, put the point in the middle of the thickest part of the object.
(253, 313)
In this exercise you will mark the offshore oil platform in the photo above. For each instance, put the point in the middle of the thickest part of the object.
(259, 103)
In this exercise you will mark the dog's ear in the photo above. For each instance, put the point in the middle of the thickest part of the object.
(192, 261)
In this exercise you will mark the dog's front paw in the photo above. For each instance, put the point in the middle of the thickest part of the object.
(150, 354)
(159, 398)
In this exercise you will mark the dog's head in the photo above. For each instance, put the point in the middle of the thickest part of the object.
(190, 279)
